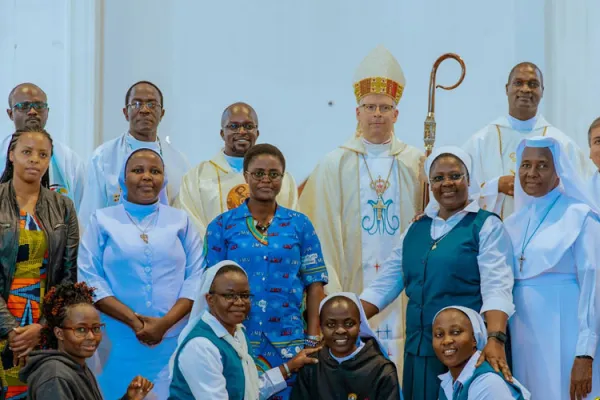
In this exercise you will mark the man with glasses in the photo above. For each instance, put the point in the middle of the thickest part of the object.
(364, 194)
(218, 185)
(28, 109)
(144, 109)
(494, 147)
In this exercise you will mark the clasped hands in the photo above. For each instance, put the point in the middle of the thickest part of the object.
(149, 330)
(23, 340)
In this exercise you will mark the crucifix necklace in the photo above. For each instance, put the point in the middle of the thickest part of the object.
(143, 235)
(527, 240)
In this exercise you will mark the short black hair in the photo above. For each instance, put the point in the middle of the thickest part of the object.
(224, 270)
(259, 150)
(12, 92)
(56, 304)
(527, 64)
(593, 126)
(7, 175)
(227, 111)
(338, 299)
(162, 103)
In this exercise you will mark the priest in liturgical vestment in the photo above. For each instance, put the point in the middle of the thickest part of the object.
(218, 185)
(362, 195)
(493, 148)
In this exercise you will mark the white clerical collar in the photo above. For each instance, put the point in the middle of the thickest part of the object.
(522, 126)
(377, 149)
(135, 144)
(354, 353)
(236, 163)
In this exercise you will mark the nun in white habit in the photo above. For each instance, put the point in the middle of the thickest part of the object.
(554, 231)
(213, 359)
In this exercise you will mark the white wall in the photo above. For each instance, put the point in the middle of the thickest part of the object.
(289, 59)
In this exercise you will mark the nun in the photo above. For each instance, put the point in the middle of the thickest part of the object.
(214, 359)
(353, 364)
(554, 232)
(457, 253)
(459, 335)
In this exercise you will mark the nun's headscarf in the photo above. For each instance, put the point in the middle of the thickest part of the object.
(570, 182)
(241, 347)
(464, 157)
(162, 197)
(365, 329)
(479, 329)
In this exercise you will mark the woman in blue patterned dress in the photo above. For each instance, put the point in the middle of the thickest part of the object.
(281, 253)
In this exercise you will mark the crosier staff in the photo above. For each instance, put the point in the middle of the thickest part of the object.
(429, 133)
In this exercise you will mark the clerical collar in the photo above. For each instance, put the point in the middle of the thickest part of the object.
(348, 357)
(236, 163)
(377, 148)
(522, 126)
(134, 144)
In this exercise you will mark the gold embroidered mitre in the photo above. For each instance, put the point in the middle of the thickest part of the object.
(379, 73)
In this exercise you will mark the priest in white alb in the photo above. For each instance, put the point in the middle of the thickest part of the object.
(218, 185)
(362, 195)
(594, 142)
(493, 148)
(144, 109)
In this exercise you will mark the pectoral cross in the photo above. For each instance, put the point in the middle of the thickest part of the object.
(521, 260)
(144, 238)
(379, 207)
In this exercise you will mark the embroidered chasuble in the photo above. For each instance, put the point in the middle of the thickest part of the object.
(360, 203)
(213, 187)
(493, 150)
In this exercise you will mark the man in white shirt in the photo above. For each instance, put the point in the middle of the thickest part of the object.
(28, 109)
(493, 148)
(144, 109)
(594, 142)
(217, 185)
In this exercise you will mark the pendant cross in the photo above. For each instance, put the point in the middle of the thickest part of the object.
(379, 207)
(144, 238)
(521, 260)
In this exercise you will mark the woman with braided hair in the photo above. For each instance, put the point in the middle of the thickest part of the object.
(73, 333)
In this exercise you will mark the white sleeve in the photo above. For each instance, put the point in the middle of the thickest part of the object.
(587, 257)
(202, 368)
(496, 259)
(94, 193)
(271, 382)
(389, 282)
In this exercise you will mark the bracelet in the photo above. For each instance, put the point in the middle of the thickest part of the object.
(287, 371)
(310, 343)
(316, 338)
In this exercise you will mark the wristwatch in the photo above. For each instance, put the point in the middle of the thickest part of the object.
(498, 335)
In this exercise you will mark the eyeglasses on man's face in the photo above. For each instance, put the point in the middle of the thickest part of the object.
(150, 105)
(236, 127)
(372, 108)
(28, 105)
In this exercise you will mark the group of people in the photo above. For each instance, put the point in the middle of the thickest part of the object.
(137, 276)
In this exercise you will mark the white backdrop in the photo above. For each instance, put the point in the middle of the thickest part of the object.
(289, 59)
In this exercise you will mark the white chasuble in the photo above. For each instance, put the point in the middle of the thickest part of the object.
(213, 187)
(358, 228)
(493, 150)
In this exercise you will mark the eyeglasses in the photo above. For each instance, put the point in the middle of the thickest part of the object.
(28, 105)
(235, 127)
(452, 177)
(82, 331)
(138, 105)
(383, 108)
(233, 297)
(259, 175)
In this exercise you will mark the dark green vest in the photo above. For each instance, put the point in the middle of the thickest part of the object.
(445, 276)
(232, 366)
(484, 368)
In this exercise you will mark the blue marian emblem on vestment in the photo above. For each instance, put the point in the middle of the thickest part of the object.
(380, 221)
